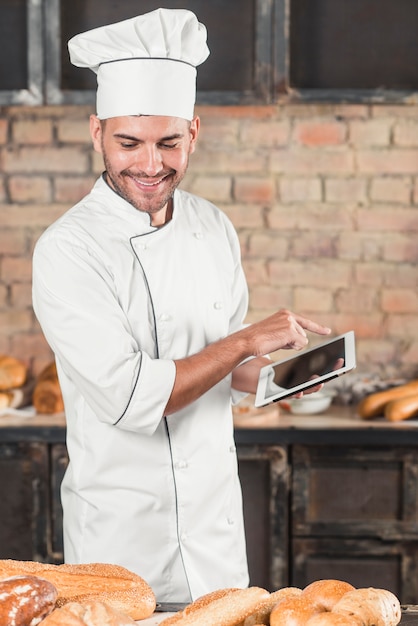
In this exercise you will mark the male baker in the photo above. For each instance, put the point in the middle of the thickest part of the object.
(141, 295)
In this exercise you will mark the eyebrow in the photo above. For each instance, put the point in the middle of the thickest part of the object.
(132, 138)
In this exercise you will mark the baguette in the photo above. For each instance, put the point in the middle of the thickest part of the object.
(120, 588)
(374, 404)
(228, 609)
(402, 409)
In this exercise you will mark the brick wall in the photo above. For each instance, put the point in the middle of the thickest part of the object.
(324, 197)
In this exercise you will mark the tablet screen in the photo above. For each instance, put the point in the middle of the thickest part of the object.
(306, 369)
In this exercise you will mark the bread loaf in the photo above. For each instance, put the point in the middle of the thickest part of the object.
(47, 396)
(374, 404)
(402, 408)
(227, 609)
(118, 587)
(376, 607)
(25, 600)
(262, 614)
(88, 614)
(324, 594)
(12, 373)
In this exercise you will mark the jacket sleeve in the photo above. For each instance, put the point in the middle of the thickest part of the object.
(76, 303)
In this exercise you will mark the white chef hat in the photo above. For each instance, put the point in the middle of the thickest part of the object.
(145, 65)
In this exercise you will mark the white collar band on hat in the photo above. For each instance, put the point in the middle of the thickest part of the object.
(130, 59)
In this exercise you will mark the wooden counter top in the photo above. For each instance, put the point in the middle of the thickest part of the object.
(270, 425)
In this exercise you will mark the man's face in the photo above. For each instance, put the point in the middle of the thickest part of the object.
(146, 157)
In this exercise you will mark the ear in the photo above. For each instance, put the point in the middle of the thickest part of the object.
(96, 133)
(194, 132)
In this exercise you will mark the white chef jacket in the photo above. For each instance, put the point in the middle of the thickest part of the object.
(119, 300)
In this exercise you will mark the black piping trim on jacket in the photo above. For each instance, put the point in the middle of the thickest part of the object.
(167, 429)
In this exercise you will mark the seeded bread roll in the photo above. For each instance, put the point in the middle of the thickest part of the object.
(26, 600)
(118, 587)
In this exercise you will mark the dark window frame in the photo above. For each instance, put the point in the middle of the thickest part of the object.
(270, 70)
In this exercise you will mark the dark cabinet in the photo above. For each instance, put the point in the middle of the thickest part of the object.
(316, 504)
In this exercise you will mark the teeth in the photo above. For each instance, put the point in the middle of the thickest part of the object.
(141, 182)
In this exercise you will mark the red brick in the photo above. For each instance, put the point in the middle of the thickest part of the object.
(244, 216)
(406, 133)
(251, 189)
(266, 134)
(391, 189)
(319, 133)
(74, 130)
(402, 325)
(268, 298)
(268, 245)
(326, 274)
(14, 320)
(255, 272)
(375, 132)
(314, 245)
(218, 130)
(12, 241)
(314, 300)
(393, 161)
(399, 219)
(306, 161)
(32, 131)
(20, 267)
(45, 159)
(311, 217)
(29, 189)
(213, 188)
(21, 295)
(71, 189)
(346, 190)
(401, 248)
(300, 190)
(221, 161)
(355, 299)
(400, 300)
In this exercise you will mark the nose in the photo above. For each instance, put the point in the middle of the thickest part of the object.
(150, 160)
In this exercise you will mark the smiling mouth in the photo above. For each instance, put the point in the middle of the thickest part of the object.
(149, 183)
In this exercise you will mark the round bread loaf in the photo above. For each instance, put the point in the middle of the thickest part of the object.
(324, 594)
(26, 600)
(12, 372)
(293, 611)
(376, 607)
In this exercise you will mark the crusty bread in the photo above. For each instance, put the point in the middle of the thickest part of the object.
(87, 614)
(120, 588)
(324, 594)
(262, 614)
(376, 607)
(25, 600)
(12, 372)
(329, 618)
(292, 611)
(47, 396)
(228, 609)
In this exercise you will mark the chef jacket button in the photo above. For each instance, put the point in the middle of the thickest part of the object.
(198, 235)
(165, 317)
(182, 464)
(184, 538)
(217, 305)
(232, 448)
(230, 521)
(143, 246)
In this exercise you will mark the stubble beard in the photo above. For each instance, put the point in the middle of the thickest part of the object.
(151, 204)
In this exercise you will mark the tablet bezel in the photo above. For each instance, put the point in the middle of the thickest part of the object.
(350, 363)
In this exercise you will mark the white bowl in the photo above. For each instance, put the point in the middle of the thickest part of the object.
(311, 403)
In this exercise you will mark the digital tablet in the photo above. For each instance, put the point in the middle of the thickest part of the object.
(306, 369)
